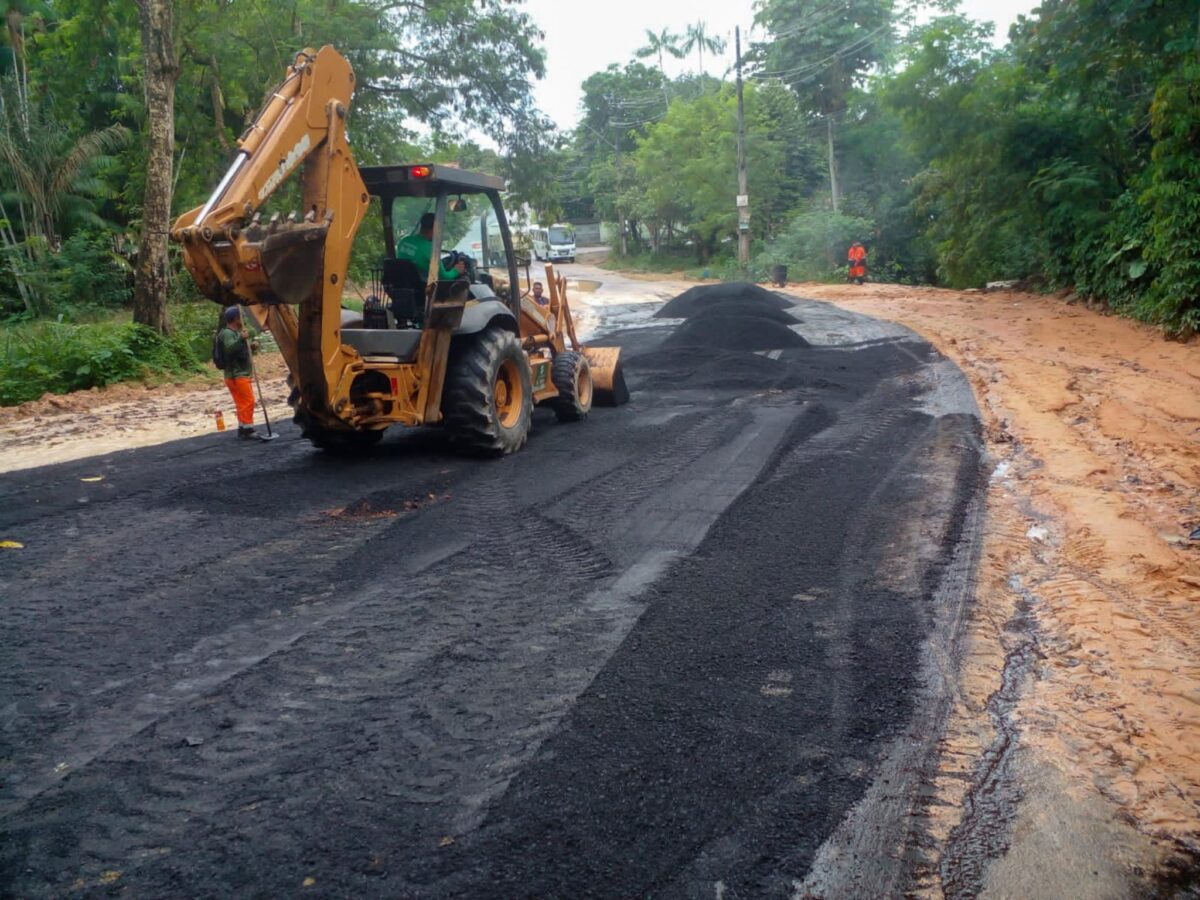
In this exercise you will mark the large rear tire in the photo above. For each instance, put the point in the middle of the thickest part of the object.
(572, 377)
(487, 403)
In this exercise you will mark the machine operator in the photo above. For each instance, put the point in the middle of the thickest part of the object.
(417, 248)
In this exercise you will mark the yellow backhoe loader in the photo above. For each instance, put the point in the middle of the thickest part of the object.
(465, 350)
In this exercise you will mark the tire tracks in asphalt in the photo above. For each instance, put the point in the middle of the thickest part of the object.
(620, 636)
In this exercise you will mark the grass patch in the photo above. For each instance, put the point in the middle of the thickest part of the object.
(722, 268)
(59, 357)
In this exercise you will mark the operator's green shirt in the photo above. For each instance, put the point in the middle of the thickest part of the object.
(418, 250)
(237, 354)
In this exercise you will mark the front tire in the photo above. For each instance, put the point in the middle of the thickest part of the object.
(572, 377)
(487, 404)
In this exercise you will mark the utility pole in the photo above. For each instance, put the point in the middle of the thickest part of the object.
(620, 215)
(743, 198)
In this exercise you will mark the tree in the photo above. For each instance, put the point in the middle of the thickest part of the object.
(1173, 242)
(1068, 156)
(50, 184)
(697, 36)
(821, 56)
(685, 172)
(532, 167)
(664, 41)
(618, 106)
(151, 276)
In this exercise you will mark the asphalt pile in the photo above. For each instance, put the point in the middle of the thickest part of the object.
(712, 369)
(736, 316)
(722, 343)
(739, 294)
(736, 308)
(734, 332)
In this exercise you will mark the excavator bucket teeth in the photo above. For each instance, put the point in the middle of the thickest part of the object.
(293, 259)
(608, 380)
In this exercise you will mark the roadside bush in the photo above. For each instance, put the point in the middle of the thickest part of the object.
(87, 272)
(85, 278)
(722, 266)
(194, 323)
(58, 357)
(813, 246)
(664, 261)
(1173, 245)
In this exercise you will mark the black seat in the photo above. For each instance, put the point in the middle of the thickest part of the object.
(405, 287)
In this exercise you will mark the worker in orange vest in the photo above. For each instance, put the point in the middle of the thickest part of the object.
(858, 262)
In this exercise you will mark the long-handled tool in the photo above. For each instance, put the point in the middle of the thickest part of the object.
(270, 435)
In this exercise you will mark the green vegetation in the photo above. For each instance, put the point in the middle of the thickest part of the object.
(1069, 157)
(47, 356)
(75, 149)
(682, 261)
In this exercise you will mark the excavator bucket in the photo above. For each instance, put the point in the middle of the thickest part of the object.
(608, 381)
(293, 259)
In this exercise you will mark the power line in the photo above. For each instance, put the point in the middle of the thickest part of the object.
(856, 44)
(818, 16)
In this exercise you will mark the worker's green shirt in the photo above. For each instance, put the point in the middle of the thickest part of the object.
(418, 250)
(237, 354)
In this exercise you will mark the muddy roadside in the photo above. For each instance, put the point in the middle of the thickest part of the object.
(61, 427)
(1073, 754)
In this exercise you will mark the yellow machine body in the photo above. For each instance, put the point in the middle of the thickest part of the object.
(291, 272)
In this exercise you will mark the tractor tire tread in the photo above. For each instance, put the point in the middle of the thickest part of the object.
(568, 406)
(468, 400)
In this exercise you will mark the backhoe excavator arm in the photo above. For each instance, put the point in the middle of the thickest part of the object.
(234, 257)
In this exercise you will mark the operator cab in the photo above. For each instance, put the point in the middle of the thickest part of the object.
(468, 223)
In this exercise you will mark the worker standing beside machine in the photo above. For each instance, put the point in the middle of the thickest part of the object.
(235, 348)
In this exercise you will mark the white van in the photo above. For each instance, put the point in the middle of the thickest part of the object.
(554, 244)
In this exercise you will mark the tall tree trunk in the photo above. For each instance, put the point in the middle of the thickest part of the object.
(833, 181)
(218, 106)
(161, 71)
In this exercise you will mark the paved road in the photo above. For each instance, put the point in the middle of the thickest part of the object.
(691, 647)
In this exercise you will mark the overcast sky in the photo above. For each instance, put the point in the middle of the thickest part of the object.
(582, 38)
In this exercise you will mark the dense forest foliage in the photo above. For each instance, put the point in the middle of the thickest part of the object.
(72, 180)
(1070, 156)
(76, 137)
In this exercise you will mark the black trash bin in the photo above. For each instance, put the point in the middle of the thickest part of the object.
(779, 276)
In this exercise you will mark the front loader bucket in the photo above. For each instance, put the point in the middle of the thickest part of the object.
(608, 381)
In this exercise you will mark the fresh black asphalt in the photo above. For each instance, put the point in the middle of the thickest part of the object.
(662, 652)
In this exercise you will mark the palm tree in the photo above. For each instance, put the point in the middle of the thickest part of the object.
(54, 176)
(665, 40)
(50, 180)
(697, 36)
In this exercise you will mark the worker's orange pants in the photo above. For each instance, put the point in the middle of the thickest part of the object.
(243, 397)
